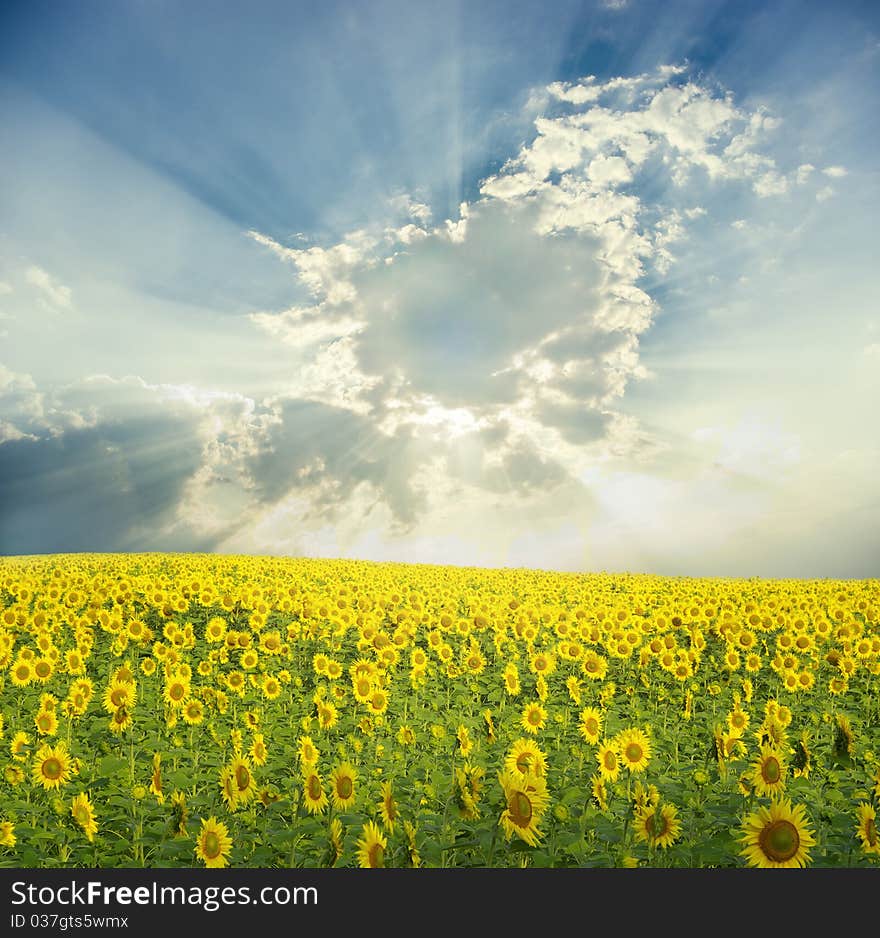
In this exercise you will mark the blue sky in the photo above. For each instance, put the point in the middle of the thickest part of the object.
(586, 288)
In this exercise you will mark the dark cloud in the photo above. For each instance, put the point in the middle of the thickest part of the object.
(109, 487)
(313, 444)
(449, 316)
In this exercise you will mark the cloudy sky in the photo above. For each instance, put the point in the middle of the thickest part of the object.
(586, 287)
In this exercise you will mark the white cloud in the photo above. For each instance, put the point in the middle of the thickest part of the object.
(835, 172)
(5, 288)
(824, 194)
(56, 293)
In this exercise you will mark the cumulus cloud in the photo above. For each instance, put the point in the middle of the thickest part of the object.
(445, 373)
(56, 294)
(525, 312)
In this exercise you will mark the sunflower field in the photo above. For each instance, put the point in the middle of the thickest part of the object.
(185, 710)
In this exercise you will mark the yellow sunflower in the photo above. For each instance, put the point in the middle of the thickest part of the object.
(609, 760)
(768, 772)
(243, 779)
(656, 825)
(525, 756)
(777, 837)
(7, 834)
(866, 829)
(526, 799)
(343, 780)
(84, 814)
(634, 748)
(52, 766)
(388, 807)
(314, 796)
(156, 779)
(308, 751)
(534, 717)
(371, 847)
(213, 845)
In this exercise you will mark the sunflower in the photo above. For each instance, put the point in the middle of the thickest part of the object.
(768, 772)
(406, 735)
(176, 692)
(328, 715)
(7, 834)
(213, 844)
(511, 680)
(738, 720)
(599, 792)
(46, 722)
(120, 721)
(634, 748)
(258, 751)
(84, 814)
(378, 702)
(308, 751)
(243, 777)
(21, 673)
(534, 717)
(314, 796)
(609, 760)
(52, 766)
(594, 665)
(119, 694)
(843, 737)
(343, 780)
(469, 782)
(336, 841)
(271, 687)
(156, 779)
(362, 687)
(526, 799)
(866, 828)
(371, 847)
(777, 836)
(590, 726)
(388, 807)
(526, 757)
(228, 788)
(656, 825)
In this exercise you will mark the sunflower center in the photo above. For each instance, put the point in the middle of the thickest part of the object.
(176, 692)
(211, 845)
(81, 814)
(592, 726)
(633, 752)
(51, 768)
(534, 717)
(524, 760)
(610, 760)
(770, 771)
(780, 841)
(344, 787)
(23, 672)
(520, 808)
(871, 832)
(118, 698)
(242, 777)
(314, 788)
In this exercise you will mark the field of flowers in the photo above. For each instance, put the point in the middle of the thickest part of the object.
(184, 710)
